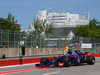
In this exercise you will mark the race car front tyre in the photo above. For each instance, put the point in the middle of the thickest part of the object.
(44, 60)
(90, 60)
(66, 62)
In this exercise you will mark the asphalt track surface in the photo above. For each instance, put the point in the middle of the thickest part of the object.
(30, 69)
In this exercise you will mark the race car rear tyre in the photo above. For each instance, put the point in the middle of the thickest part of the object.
(56, 63)
(44, 60)
(66, 62)
(90, 60)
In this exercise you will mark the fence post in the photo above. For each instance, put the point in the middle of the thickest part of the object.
(1, 38)
(31, 40)
(8, 38)
(14, 40)
(40, 41)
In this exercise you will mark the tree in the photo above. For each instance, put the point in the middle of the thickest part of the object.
(42, 26)
(9, 23)
(8, 28)
(81, 31)
(91, 30)
(42, 29)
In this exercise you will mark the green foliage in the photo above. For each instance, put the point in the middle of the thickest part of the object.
(42, 26)
(8, 28)
(42, 29)
(9, 23)
(91, 30)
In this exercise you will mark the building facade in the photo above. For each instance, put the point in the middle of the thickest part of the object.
(62, 19)
(63, 22)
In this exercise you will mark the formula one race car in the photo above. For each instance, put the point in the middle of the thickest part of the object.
(72, 58)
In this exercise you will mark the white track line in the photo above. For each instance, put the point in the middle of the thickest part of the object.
(18, 65)
(51, 73)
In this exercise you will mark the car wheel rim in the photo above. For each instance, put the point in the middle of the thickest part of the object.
(93, 61)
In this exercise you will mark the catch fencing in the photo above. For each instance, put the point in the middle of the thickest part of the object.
(14, 39)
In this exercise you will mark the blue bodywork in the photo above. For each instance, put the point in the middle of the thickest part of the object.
(74, 56)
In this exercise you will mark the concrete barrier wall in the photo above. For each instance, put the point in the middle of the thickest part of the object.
(14, 52)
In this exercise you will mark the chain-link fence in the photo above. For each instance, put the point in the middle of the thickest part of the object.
(95, 44)
(13, 39)
(29, 40)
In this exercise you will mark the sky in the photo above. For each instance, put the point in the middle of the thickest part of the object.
(25, 11)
